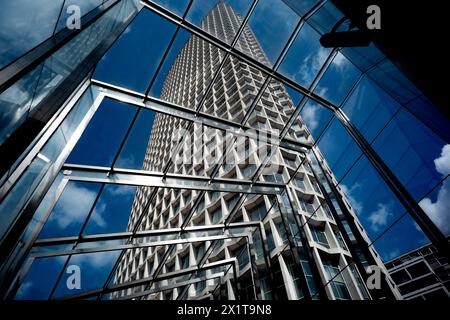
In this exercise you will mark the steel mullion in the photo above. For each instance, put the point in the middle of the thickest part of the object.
(189, 282)
(155, 179)
(77, 251)
(130, 284)
(173, 286)
(190, 270)
(44, 186)
(168, 108)
(140, 234)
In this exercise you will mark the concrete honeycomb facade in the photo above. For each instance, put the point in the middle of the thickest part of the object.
(201, 153)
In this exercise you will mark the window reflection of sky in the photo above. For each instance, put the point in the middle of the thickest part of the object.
(413, 152)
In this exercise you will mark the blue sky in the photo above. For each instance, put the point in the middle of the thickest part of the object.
(418, 157)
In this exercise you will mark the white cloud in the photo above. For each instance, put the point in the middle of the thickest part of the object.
(357, 206)
(311, 65)
(127, 161)
(439, 211)
(321, 91)
(392, 254)
(310, 115)
(74, 205)
(339, 60)
(379, 218)
(97, 215)
(119, 190)
(442, 163)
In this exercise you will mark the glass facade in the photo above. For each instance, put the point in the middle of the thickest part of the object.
(213, 150)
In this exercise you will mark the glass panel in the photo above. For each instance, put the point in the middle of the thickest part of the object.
(163, 208)
(77, 114)
(180, 41)
(424, 110)
(319, 236)
(314, 117)
(338, 148)
(18, 35)
(100, 140)
(202, 149)
(369, 108)
(112, 211)
(133, 69)
(71, 210)
(134, 150)
(40, 279)
(305, 57)
(256, 211)
(301, 7)
(245, 157)
(364, 57)
(388, 77)
(29, 180)
(94, 269)
(403, 237)
(45, 79)
(337, 80)
(414, 153)
(370, 198)
(295, 96)
(220, 204)
(268, 31)
(15, 103)
(337, 282)
(326, 17)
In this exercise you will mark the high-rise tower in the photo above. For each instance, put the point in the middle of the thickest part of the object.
(309, 237)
